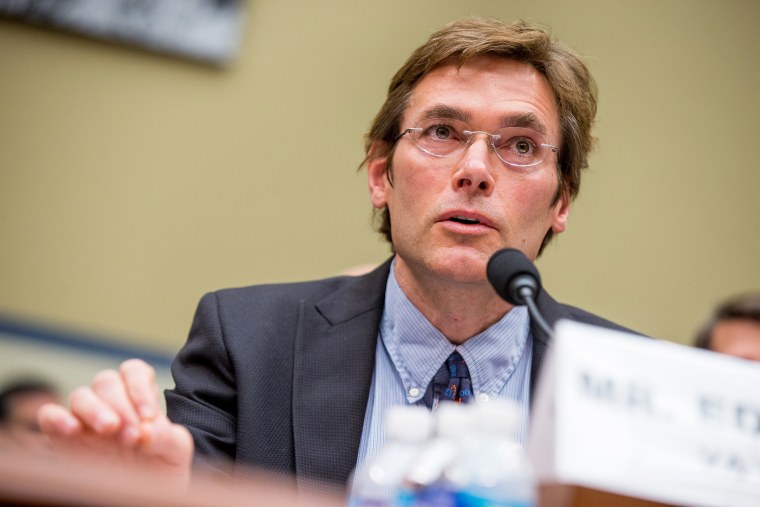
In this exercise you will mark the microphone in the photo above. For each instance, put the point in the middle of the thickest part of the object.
(516, 279)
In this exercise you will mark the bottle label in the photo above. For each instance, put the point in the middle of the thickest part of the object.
(465, 499)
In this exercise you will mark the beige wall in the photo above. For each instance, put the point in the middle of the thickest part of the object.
(131, 183)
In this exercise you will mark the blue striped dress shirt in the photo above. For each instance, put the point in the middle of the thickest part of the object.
(410, 350)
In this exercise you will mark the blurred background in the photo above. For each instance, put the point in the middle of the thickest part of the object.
(132, 181)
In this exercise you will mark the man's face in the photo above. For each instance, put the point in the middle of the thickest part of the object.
(737, 337)
(449, 215)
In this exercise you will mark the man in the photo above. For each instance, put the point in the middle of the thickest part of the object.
(19, 402)
(478, 147)
(734, 328)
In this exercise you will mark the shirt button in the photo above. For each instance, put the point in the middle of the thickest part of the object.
(483, 397)
(414, 392)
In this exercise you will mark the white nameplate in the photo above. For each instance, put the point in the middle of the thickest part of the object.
(648, 419)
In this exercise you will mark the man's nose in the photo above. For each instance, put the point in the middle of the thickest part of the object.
(473, 173)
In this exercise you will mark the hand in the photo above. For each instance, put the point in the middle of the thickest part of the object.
(118, 421)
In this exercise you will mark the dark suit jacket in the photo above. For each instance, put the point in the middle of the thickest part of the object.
(278, 376)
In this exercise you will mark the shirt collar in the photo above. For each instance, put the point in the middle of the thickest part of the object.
(417, 349)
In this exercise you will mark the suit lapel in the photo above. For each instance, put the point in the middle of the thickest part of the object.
(334, 362)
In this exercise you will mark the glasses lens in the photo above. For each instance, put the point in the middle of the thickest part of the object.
(440, 139)
(521, 147)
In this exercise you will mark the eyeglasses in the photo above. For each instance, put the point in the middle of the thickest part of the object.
(515, 146)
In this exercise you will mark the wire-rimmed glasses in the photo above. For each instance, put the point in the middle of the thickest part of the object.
(515, 146)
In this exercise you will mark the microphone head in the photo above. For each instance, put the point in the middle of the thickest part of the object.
(511, 273)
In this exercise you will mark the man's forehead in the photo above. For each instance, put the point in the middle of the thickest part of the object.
(509, 92)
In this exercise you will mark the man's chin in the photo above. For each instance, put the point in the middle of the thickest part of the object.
(462, 265)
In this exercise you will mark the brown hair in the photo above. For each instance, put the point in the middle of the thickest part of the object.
(573, 86)
(744, 307)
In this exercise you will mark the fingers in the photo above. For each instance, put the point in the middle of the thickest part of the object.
(110, 410)
(119, 420)
(115, 405)
(131, 395)
(67, 434)
(56, 420)
(169, 448)
(172, 442)
(140, 382)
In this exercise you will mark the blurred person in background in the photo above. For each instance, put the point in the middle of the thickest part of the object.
(19, 401)
(733, 328)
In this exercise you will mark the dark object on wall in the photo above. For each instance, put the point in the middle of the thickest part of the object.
(205, 30)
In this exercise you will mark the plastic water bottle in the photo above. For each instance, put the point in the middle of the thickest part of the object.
(424, 484)
(376, 483)
(492, 469)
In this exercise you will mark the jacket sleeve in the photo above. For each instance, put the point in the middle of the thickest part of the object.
(204, 398)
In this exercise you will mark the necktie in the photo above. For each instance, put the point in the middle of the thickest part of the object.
(451, 382)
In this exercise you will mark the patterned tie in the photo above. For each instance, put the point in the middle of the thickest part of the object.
(451, 382)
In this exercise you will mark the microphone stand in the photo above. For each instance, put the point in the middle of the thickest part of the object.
(526, 293)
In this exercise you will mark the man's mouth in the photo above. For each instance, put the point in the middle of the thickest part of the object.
(464, 220)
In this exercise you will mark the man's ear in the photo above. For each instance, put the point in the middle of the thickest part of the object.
(377, 174)
(560, 213)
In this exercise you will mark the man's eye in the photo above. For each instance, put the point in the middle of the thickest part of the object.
(520, 145)
(440, 132)
(523, 146)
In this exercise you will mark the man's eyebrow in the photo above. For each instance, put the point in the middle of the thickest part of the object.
(445, 112)
(524, 120)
